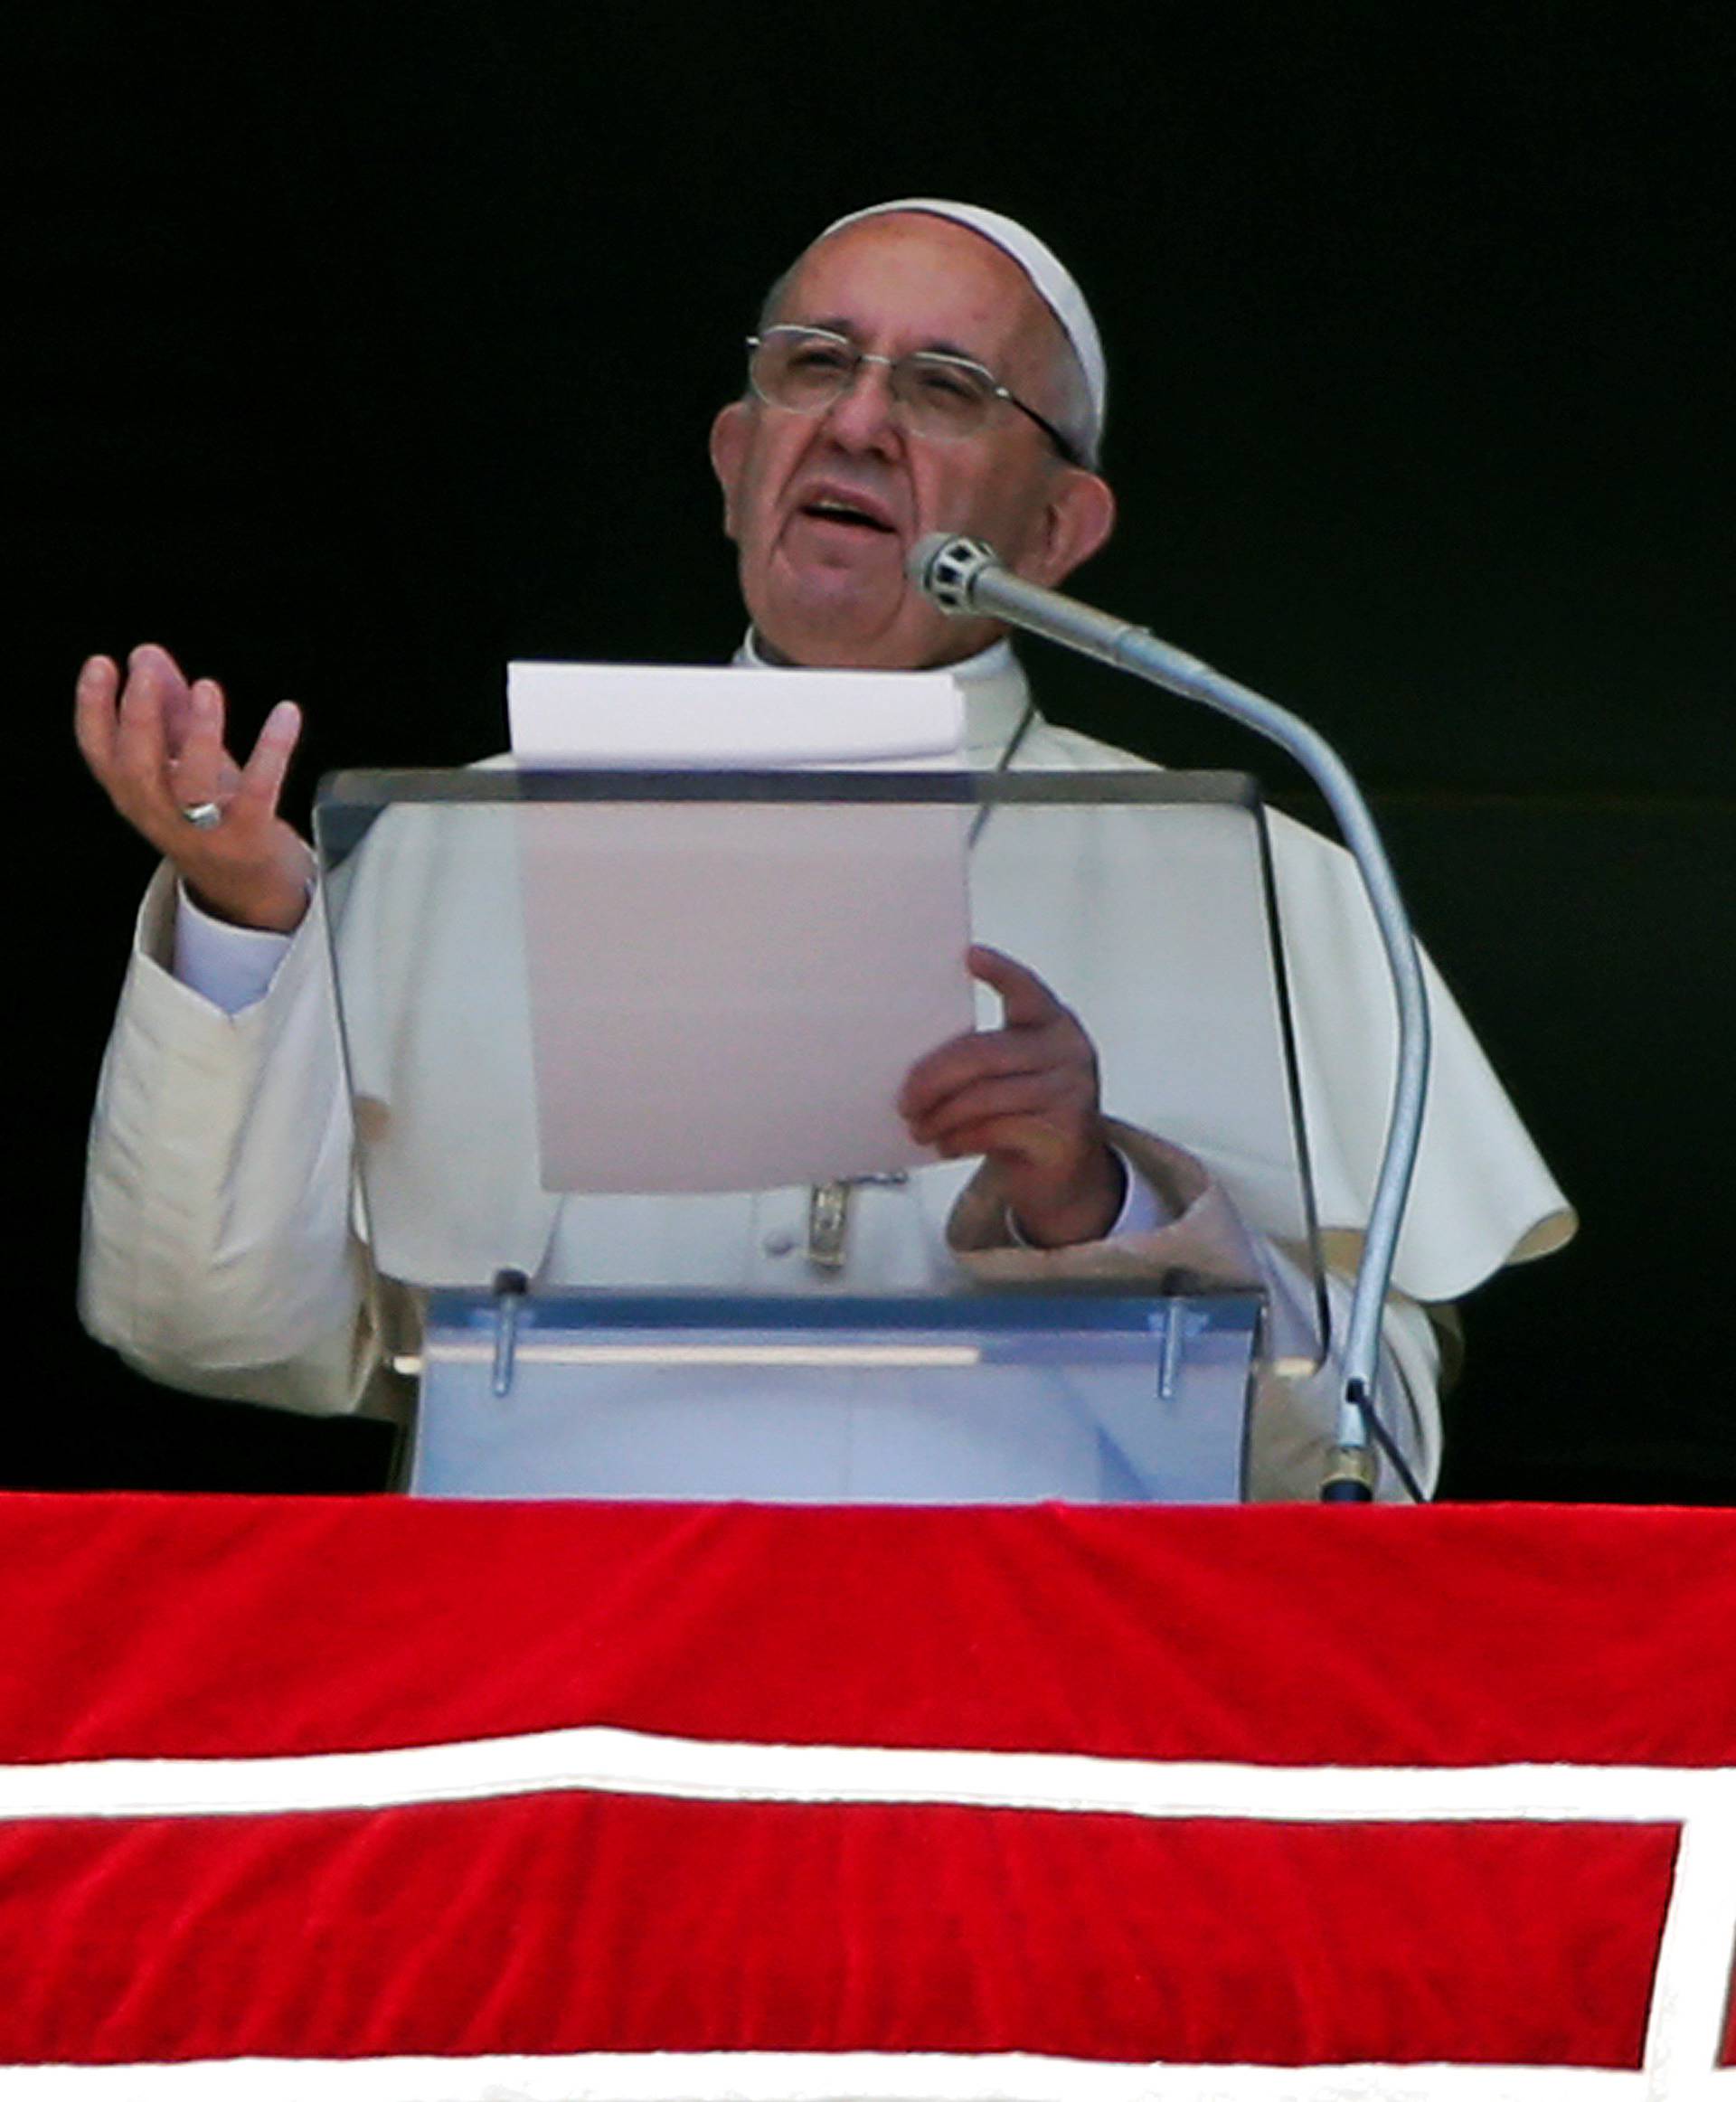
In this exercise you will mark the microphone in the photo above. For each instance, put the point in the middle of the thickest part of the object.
(964, 576)
(946, 565)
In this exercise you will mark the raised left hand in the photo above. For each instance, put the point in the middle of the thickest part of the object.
(156, 745)
(1026, 1095)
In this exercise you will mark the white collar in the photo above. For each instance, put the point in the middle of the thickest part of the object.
(993, 682)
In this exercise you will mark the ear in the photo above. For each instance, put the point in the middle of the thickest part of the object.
(1078, 517)
(732, 428)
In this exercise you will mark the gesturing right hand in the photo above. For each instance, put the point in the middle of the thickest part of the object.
(159, 753)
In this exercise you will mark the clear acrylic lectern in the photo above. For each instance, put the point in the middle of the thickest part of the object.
(624, 1050)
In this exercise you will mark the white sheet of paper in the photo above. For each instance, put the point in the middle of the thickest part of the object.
(727, 996)
(728, 715)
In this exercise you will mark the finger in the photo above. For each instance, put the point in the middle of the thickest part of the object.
(154, 663)
(200, 769)
(178, 708)
(1020, 1095)
(262, 779)
(1025, 1001)
(140, 746)
(1026, 1143)
(93, 714)
(982, 1055)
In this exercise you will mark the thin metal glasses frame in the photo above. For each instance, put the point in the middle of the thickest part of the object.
(1062, 444)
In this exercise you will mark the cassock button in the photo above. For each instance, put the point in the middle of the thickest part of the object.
(778, 1244)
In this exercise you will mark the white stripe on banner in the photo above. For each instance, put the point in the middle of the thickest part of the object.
(816, 2076)
(1691, 1983)
(624, 1762)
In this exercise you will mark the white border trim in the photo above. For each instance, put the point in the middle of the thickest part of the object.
(634, 1763)
(1690, 1986)
(824, 2077)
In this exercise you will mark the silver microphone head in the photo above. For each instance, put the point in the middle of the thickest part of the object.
(945, 567)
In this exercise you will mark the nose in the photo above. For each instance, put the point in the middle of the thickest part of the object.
(864, 417)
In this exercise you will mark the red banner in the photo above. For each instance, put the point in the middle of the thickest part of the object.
(390, 1799)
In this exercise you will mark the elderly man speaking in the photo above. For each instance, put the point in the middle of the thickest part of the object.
(925, 366)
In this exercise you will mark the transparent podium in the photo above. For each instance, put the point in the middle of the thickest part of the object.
(624, 1050)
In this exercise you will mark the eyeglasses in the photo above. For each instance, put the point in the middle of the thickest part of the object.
(937, 395)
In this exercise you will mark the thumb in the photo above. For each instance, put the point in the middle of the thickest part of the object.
(1026, 1002)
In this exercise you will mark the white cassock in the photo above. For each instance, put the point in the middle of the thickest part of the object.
(219, 1253)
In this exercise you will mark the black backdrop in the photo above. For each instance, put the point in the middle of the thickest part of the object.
(357, 350)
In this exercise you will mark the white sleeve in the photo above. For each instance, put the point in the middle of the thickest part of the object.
(1143, 1210)
(218, 1253)
(231, 966)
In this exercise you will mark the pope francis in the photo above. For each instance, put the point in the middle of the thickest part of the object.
(924, 365)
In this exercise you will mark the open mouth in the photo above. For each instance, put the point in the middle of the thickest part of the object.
(836, 511)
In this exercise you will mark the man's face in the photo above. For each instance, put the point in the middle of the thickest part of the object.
(824, 509)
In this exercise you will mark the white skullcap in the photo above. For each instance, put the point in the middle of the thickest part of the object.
(1052, 280)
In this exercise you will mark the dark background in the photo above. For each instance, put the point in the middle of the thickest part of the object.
(357, 351)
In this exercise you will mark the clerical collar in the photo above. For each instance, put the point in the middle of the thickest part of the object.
(997, 701)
